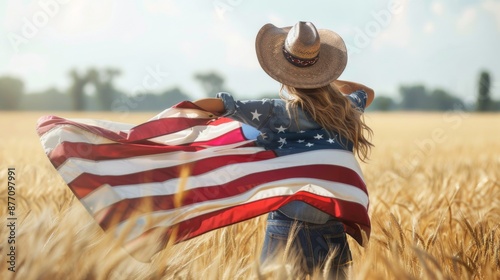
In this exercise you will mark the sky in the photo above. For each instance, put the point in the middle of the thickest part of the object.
(441, 44)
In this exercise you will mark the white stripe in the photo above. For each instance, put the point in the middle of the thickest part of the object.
(69, 133)
(106, 196)
(74, 167)
(278, 188)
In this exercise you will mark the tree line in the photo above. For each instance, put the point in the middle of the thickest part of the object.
(420, 98)
(94, 90)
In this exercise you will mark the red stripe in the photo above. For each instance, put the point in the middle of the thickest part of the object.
(187, 105)
(44, 124)
(233, 188)
(161, 127)
(164, 126)
(353, 215)
(99, 152)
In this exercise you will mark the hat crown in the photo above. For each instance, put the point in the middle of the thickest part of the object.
(303, 41)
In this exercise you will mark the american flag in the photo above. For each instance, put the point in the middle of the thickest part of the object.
(185, 172)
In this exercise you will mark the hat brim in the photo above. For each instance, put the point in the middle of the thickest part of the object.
(330, 65)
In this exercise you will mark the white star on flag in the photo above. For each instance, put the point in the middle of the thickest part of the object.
(281, 129)
(300, 141)
(282, 141)
(263, 135)
(318, 136)
(255, 115)
(309, 144)
(331, 141)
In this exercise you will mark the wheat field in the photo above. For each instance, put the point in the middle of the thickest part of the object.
(433, 178)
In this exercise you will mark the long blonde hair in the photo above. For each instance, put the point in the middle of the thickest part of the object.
(334, 112)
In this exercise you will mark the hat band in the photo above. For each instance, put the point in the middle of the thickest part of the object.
(299, 62)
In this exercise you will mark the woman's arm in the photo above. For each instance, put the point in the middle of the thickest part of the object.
(347, 87)
(213, 105)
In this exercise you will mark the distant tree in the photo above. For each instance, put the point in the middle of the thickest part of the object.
(496, 105)
(484, 102)
(382, 103)
(414, 98)
(77, 90)
(153, 102)
(11, 93)
(211, 82)
(441, 100)
(173, 96)
(148, 102)
(103, 83)
(49, 100)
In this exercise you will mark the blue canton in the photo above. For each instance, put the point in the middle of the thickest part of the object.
(279, 131)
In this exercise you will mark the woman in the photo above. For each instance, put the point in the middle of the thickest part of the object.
(307, 62)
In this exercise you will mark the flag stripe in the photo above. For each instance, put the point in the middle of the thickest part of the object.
(201, 133)
(163, 196)
(68, 133)
(238, 213)
(217, 219)
(221, 218)
(111, 151)
(96, 131)
(340, 208)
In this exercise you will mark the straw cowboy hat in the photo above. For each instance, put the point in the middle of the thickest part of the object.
(301, 56)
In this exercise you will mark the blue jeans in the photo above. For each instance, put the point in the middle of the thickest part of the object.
(313, 243)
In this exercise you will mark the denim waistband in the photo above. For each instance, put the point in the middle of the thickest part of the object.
(277, 215)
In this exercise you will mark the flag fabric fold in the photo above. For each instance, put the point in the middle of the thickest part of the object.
(190, 171)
